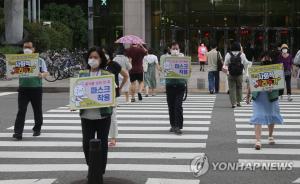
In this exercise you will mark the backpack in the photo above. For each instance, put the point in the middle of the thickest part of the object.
(235, 66)
(297, 58)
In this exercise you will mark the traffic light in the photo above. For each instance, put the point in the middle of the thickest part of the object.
(104, 8)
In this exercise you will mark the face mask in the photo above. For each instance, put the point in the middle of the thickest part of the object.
(174, 52)
(93, 63)
(284, 51)
(27, 51)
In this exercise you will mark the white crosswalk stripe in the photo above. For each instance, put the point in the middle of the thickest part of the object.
(287, 136)
(144, 138)
(7, 93)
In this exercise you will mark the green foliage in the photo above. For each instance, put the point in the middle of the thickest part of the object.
(73, 17)
(10, 50)
(57, 37)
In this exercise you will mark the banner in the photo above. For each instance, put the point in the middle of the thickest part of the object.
(22, 65)
(264, 78)
(92, 92)
(176, 67)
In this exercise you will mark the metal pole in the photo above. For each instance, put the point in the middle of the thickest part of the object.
(39, 13)
(29, 10)
(95, 174)
(91, 23)
(33, 10)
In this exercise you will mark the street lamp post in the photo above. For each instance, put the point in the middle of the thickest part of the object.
(91, 23)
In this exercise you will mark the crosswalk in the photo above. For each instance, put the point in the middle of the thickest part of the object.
(7, 93)
(144, 143)
(287, 136)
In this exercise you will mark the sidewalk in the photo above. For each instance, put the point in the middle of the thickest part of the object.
(63, 85)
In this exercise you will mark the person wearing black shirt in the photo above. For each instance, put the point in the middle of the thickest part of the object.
(116, 69)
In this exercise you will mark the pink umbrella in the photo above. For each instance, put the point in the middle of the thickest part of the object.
(130, 39)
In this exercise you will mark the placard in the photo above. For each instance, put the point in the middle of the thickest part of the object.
(176, 67)
(22, 65)
(92, 92)
(267, 77)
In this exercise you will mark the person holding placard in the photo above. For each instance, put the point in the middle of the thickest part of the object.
(266, 109)
(175, 89)
(96, 120)
(30, 90)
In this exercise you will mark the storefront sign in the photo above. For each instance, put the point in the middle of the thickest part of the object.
(92, 92)
(176, 67)
(22, 65)
(268, 77)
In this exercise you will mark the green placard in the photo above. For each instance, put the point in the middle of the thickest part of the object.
(176, 67)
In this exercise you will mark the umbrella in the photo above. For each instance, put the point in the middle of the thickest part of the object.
(130, 39)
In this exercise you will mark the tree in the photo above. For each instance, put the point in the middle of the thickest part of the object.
(14, 14)
(73, 17)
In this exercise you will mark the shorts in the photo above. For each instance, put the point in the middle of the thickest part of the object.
(137, 77)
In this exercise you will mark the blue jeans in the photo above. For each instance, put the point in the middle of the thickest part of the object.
(213, 81)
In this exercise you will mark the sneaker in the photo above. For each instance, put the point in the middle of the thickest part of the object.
(140, 97)
(233, 106)
(36, 133)
(17, 136)
(146, 95)
(171, 129)
(290, 98)
(177, 131)
(239, 105)
(133, 100)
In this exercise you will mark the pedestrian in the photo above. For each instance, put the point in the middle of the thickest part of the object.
(175, 89)
(126, 65)
(116, 69)
(236, 62)
(136, 53)
(150, 65)
(213, 57)
(202, 50)
(287, 60)
(30, 90)
(96, 121)
(266, 109)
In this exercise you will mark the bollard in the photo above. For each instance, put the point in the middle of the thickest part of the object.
(95, 175)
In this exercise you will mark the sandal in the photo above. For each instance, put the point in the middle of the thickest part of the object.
(257, 145)
(271, 141)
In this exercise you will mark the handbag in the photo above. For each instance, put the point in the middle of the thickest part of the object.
(219, 62)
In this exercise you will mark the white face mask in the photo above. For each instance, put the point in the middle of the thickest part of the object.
(284, 51)
(174, 52)
(27, 51)
(93, 63)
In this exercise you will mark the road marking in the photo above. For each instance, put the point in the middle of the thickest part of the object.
(144, 111)
(67, 109)
(111, 155)
(121, 136)
(83, 167)
(247, 120)
(126, 128)
(281, 108)
(138, 122)
(171, 181)
(265, 126)
(28, 181)
(264, 141)
(269, 151)
(281, 111)
(297, 181)
(250, 114)
(267, 133)
(119, 145)
(281, 105)
(128, 116)
(7, 93)
(296, 163)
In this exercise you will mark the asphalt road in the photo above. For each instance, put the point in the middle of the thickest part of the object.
(146, 151)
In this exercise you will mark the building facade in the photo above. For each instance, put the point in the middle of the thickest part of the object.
(256, 23)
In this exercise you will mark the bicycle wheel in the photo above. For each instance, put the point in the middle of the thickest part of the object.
(53, 74)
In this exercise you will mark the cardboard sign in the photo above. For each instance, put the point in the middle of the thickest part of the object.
(176, 67)
(92, 92)
(268, 77)
(22, 65)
